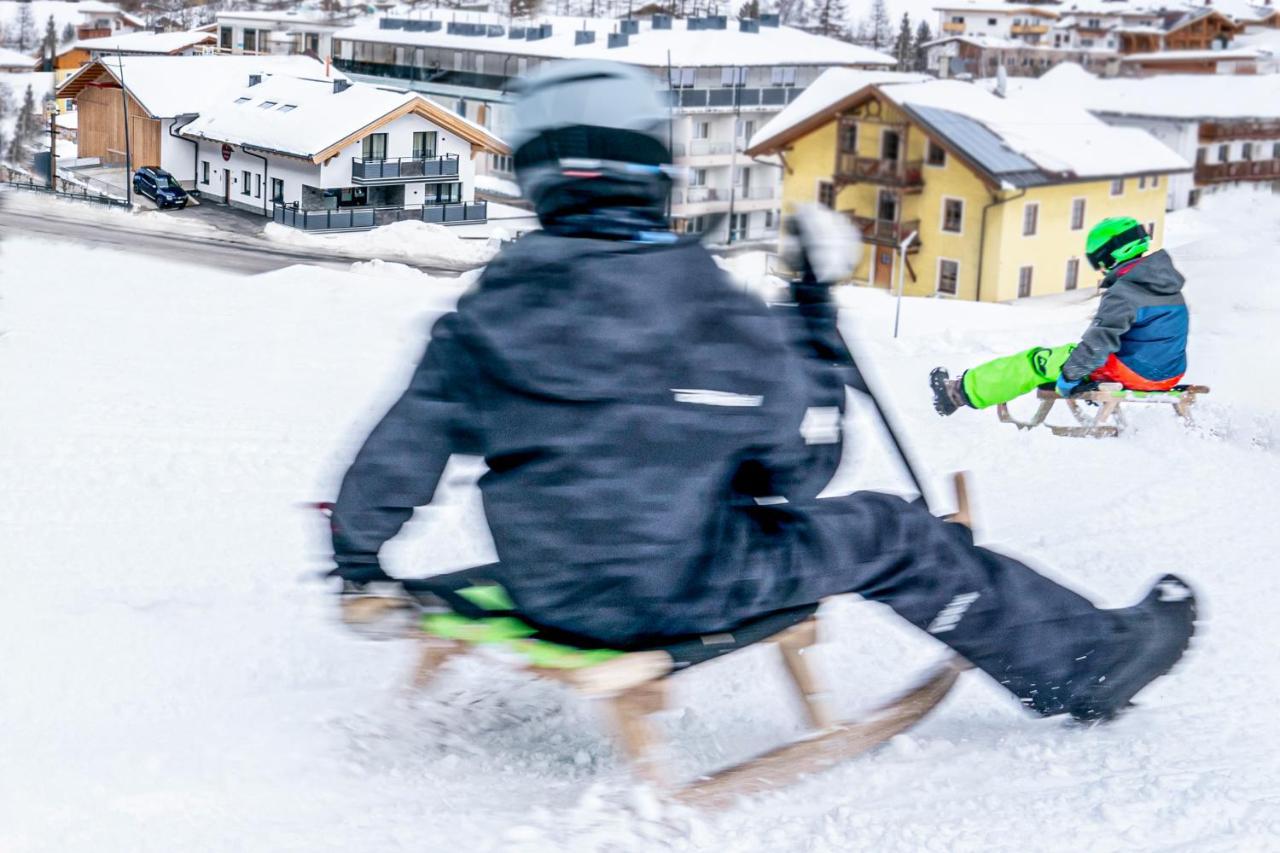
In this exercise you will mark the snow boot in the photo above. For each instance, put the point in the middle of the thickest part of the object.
(1153, 636)
(948, 393)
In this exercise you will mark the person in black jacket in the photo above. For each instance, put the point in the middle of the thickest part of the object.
(656, 438)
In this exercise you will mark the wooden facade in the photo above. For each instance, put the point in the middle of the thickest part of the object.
(101, 127)
(1203, 33)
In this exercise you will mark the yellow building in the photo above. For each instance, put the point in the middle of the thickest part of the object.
(1000, 192)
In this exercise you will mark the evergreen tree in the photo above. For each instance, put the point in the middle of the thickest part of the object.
(68, 33)
(902, 46)
(523, 8)
(880, 28)
(831, 18)
(49, 49)
(749, 9)
(28, 125)
(793, 12)
(923, 36)
(26, 28)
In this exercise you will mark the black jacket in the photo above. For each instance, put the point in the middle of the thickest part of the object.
(631, 404)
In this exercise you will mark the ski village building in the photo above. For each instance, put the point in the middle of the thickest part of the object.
(1000, 193)
(279, 32)
(274, 135)
(1108, 37)
(726, 78)
(1229, 127)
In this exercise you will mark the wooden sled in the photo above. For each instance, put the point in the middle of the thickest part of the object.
(632, 685)
(1109, 398)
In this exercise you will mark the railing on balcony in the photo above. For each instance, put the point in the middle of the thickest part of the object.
(873, 170)
(746, 97)
(362, 218)
(403, 169)
(1214, 131)
(885, 233)
(953, 27)
(758, 193)
(1245, 170)
(1029, 29)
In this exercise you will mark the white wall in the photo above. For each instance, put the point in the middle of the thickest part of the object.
(294, 172)
(1179, 136)
(337, 172)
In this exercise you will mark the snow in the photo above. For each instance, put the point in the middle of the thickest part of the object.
(63, 11)
(1181, 96)
(16, 60)
(498, 186)
(424, 243)
(652, 48)
(41, 83)
(169, 86)
(174, 682)
(148, 42)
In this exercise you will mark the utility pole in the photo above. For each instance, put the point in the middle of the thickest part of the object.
(53, 146)
(124, 107)
(738, 73)
(902, 264)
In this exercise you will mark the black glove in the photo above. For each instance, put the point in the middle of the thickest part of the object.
(356, 574)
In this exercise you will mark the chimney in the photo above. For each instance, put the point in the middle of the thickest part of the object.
(341, 86)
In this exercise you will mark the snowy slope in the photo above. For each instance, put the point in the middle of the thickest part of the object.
(171, 680)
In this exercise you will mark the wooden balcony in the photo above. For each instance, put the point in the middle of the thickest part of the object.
(953, 28)
(851, 169)
(1215, 131)
(1245, 170)
(1029, 29)
(883, 233)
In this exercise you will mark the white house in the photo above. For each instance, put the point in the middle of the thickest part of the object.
(327, 154)
(279, 32)
(15, 62)
(1026, 23)
(147, 43)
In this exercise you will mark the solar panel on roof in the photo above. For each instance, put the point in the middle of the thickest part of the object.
(981, 145)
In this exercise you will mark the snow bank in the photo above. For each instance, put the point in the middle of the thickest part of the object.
(414, 242)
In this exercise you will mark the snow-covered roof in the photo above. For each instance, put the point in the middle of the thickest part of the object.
(148, 42)
(819, 97)
(64, 12)
(998, 8)
(168, 86)
(318, 20)
(990, 42)
(1174, 96)
(1195, 55)
(1058, 140)
(306, 116)
(651, 48)
(15, 59)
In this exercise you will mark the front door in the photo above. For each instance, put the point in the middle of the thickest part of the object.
(884, 267)
(226, 186)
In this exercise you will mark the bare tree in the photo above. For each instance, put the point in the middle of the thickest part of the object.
(26, 27)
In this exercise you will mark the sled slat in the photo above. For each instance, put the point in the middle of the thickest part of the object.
(842, 742)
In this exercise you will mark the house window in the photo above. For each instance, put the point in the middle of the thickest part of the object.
(1030, 218)
(770, 219)
(991, 22)
(257, 186)
(695, 224)
(735, 76)
(224, 38)
(424, 144)
(849, 138)
(681, 78)
(1151, 231)
(827, 194)
(1246, 151)
(1142, 182)
(374, 147)
(935, 154)
(746, 129)
(277, 190)
(1077, 214)
(1224, 153)
(948, 276)
(250, 40)
(1024, 282)
(204, 172)
(244, 183)
(442, 193)
(890, 143)
(266, 105)
(1275, 151)
(701, 129)
(243, 100)
(783, 76)
(957, 19)
(1155, 181)
(697, 177)
(738, 227)
(952, 215)
(1073, 273)
(1117, 186)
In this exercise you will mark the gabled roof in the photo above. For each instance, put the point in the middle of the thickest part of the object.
(168, 86)
(15, 59)
(1007, 141)
(311, 119)
(997, 9)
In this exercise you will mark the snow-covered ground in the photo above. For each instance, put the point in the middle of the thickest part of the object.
(173, 680)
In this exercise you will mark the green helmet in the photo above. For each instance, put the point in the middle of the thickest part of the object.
(1115, 240)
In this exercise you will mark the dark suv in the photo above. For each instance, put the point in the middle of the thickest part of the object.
(160, 187)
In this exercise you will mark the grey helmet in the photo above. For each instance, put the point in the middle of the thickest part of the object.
(590, 121)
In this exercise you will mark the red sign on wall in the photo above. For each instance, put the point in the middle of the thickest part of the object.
(226, 151)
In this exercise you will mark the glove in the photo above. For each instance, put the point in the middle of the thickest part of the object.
(821, 244)
(1066, 387)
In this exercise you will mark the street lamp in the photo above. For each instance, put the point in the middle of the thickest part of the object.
(51, 109)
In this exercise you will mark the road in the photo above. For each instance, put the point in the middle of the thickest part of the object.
(231, 253)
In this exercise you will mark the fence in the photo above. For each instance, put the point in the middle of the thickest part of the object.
(362, 218)
(76, 194)
(404, 167)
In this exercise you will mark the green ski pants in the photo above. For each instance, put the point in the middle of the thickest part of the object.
(1003, 379)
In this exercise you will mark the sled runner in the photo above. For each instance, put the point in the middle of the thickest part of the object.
(464, 611)
(1109, 398)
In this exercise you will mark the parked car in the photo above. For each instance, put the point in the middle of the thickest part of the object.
(159, 186)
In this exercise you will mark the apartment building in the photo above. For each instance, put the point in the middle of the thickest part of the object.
(726, 79)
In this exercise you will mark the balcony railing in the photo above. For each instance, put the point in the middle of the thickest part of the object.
(885, 233)
(1227, 130)
(403, 169)
(1029, 29)
(758, 193)
(363, 218)
(873, 170)
(1245, 170)
(776, 96)
(953, 27)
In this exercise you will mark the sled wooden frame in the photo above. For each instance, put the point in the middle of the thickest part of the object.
(1109, 420)
(633, 686)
